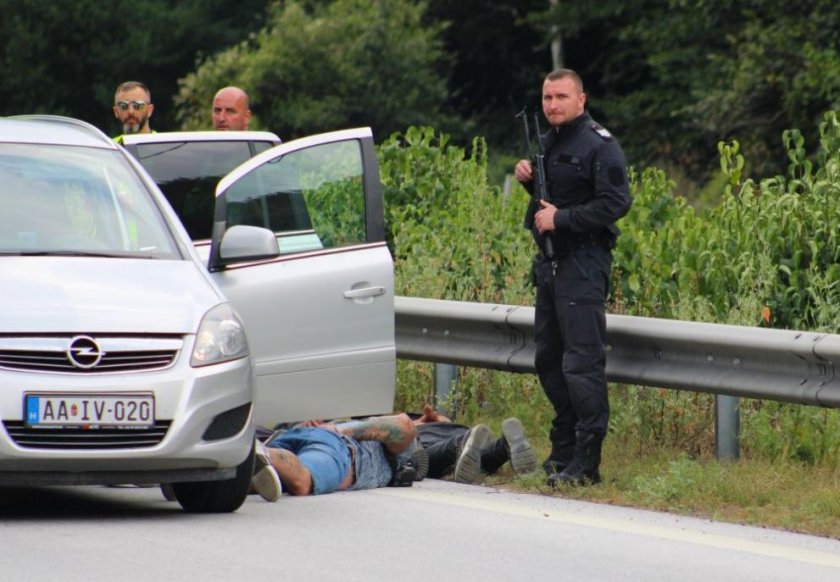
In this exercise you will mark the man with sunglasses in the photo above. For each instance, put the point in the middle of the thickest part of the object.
(133, 108)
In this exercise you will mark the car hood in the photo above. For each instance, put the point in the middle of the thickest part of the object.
(102, 295)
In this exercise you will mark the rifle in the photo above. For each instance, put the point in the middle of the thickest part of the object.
(537, 159)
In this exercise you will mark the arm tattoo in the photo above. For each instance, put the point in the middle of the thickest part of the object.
(377, 430)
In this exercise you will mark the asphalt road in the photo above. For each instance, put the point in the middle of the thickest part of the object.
(435, 530)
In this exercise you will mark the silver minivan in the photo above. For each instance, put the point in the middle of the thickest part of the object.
(320, 315)
(121, 359)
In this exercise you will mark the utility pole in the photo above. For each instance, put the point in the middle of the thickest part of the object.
(556, 43)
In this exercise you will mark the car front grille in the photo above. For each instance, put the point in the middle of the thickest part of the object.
(77, 438)
(88, 354)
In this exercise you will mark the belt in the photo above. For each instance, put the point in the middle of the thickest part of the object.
(580, 241)
(567, 241)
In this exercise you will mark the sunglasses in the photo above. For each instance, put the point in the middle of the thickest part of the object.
(124, 105)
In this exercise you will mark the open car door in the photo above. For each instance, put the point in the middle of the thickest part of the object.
(320, 317)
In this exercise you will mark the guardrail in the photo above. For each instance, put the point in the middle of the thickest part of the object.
(769, 364)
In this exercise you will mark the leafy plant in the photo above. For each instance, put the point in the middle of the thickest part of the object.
(766, 255)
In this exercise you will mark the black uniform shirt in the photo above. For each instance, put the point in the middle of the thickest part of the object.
(587, 177)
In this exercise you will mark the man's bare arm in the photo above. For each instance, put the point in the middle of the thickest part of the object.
(395, 433)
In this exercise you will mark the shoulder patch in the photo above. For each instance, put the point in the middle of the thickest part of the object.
(606, 135)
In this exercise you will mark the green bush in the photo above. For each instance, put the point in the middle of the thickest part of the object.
(766, 255)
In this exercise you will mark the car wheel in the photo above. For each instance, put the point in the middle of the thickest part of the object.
(217, 496)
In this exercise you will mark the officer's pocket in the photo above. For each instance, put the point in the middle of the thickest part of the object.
(540, 272)
(591, 275)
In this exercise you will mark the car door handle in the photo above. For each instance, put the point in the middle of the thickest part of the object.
(364, 292)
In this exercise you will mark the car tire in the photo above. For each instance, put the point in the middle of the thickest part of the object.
(217, 496)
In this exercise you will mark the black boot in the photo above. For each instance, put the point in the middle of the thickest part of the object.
(552, 466)
(583, 469)
(560, 457)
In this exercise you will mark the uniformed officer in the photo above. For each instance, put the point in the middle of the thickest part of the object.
(586, 177)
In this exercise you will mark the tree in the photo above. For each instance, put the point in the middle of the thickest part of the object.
(675, 77)
(67, 58)
(498, 58)
(324, 66)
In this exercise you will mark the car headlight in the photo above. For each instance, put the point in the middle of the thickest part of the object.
(220, 337)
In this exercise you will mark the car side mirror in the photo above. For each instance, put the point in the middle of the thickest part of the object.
(242, 243)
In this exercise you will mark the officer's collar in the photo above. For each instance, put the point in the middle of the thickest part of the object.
(574, 123)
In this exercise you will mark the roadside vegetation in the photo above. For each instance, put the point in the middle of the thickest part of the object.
(672, 79)
(766, 255)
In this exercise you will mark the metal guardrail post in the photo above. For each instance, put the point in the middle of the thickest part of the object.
(445, 379)
(727, 426)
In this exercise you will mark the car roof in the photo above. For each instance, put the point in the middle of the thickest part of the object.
(179, 136)
(52, 130)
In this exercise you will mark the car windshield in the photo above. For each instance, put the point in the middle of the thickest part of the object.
(77, 200)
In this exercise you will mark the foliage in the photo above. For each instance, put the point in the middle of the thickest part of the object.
(67, 58)
(323, 66)
(671, 78)
(774, 239)
(437, 196)
(454, 236)
(674, 77)
(496, 60)
(766, 255)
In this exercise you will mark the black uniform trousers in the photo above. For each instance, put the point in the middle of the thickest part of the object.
(570, 336)
(442, 440)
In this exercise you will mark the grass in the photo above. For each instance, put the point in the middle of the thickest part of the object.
(789, 496)
(755, 253)
(652, 470)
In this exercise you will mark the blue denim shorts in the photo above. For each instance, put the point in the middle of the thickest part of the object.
(372, 467)
(371, 463)
(323, 452)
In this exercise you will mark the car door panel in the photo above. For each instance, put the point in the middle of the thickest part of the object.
(319, 319)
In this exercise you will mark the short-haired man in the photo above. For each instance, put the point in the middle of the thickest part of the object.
(133, 108)
(588, 191)
(231, 110)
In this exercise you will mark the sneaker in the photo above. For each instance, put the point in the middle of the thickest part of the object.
(420, 460)
(523, 458)
(409, 466)
(468, 466)
(266, 481)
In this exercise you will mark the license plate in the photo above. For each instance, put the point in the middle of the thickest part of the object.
(89, 410)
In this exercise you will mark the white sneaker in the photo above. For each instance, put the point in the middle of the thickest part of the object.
(523, 458)
(266, 481)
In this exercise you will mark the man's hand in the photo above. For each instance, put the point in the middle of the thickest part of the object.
(523, 171)
(544, 218)
(430, 415)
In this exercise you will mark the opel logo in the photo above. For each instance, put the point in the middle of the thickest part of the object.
(84, 352)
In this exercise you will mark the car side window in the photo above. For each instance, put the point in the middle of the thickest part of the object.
(188, 172)
(311, 198)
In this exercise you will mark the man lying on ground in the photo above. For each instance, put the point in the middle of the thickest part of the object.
(319, 457)
(464, 452)
(312, 457)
